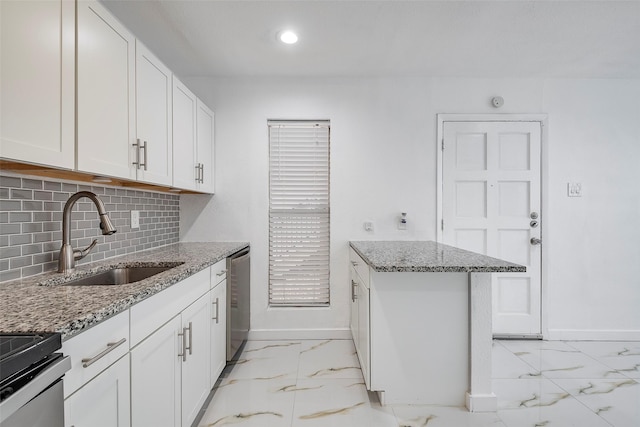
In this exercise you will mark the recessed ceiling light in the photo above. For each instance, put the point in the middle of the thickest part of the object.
(288, 37)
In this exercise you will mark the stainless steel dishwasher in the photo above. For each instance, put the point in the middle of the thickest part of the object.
(238, 291)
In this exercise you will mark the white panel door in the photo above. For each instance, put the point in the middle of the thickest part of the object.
(184, 137)
(155, 378)
(105, 93)
(196, 323)
(205, 139)
(37, 82)
(153, 118)
(491, 204)
(102, 402)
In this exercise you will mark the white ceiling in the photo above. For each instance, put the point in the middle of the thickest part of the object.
(508, 38)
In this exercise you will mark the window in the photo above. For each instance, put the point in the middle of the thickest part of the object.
(298, 213)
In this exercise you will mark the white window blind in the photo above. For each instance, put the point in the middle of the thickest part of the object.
(298, 213)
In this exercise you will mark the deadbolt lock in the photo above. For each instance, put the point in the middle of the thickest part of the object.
(533, 224)
(534, 215)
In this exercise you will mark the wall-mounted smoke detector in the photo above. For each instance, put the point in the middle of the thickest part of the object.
(288, 37)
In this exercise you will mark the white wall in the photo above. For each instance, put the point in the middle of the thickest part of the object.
(383, 162)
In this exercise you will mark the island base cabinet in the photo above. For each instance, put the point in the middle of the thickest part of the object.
(155, 378)
(103, 401)
(419, 331)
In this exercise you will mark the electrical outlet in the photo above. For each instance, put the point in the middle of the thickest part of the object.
(368, 226)
(135, 219)
(574, 189)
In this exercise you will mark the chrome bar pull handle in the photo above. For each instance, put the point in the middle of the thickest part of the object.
(216, 318)
(190, 328)
(354, 296)
(221, 273)
(184, 344)
(144, 147)
(137, 145)
(110, 347)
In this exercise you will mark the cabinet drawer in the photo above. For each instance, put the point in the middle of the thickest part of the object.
(360, 266)
(99, 347)
(152, 313)
(218, 272)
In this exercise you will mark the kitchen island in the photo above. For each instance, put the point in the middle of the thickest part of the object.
(421, 321)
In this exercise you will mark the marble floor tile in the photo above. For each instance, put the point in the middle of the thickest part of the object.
(535, 403)
(616, 401)
(621, 356)
(311, 383)
(505, 364)
(267, 360)
(444, 416)
(556, 359)
(329, 359)
(331, 402)
(251, 403)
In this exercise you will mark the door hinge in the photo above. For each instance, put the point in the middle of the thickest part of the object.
(442, 224)
(443, 145)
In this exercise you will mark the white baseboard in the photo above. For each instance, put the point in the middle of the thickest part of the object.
(592, 335)
(299, 334)
(481, 402)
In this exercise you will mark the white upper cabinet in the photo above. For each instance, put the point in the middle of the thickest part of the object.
(185, 170)
(204, 152)
(37, 82)
(106, 94)
(153, 153)
(192, 141)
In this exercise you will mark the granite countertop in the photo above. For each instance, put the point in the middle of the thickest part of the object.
(428, 256)
(42, 303)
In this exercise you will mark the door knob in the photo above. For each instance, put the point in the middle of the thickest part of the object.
(535, 241)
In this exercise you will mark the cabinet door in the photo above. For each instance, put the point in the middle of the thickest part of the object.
(37, 84)
(196, 323)
(105, 98)
(155, 378)
(184, 137)
(153, 118)
(353, 293)
(103, 401)
(364, 351)
(205, 138)
(218, 331)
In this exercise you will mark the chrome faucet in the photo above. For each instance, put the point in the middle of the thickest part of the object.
(68, 255)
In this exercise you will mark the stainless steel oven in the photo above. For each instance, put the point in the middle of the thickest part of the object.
(31, 393)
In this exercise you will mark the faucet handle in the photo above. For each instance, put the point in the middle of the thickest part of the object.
(79, 254)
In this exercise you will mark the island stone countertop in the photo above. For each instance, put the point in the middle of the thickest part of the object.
(428, 256)
(43, 304)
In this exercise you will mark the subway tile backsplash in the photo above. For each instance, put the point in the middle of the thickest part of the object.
(31, 223)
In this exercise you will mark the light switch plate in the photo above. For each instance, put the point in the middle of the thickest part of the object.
(368, 226)
(135, 219)
(574, 189)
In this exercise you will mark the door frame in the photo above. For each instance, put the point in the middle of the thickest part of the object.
(540, 118)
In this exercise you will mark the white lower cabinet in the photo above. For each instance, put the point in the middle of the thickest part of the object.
(103, 401)
(155, 378)
(360, 318)
(154, 364)
(170, 366)
(218, 330)
(196, 361)
(96, 389)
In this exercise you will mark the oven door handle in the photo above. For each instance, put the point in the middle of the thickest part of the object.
(37, 385)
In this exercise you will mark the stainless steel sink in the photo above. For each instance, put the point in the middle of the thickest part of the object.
(119, 276)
